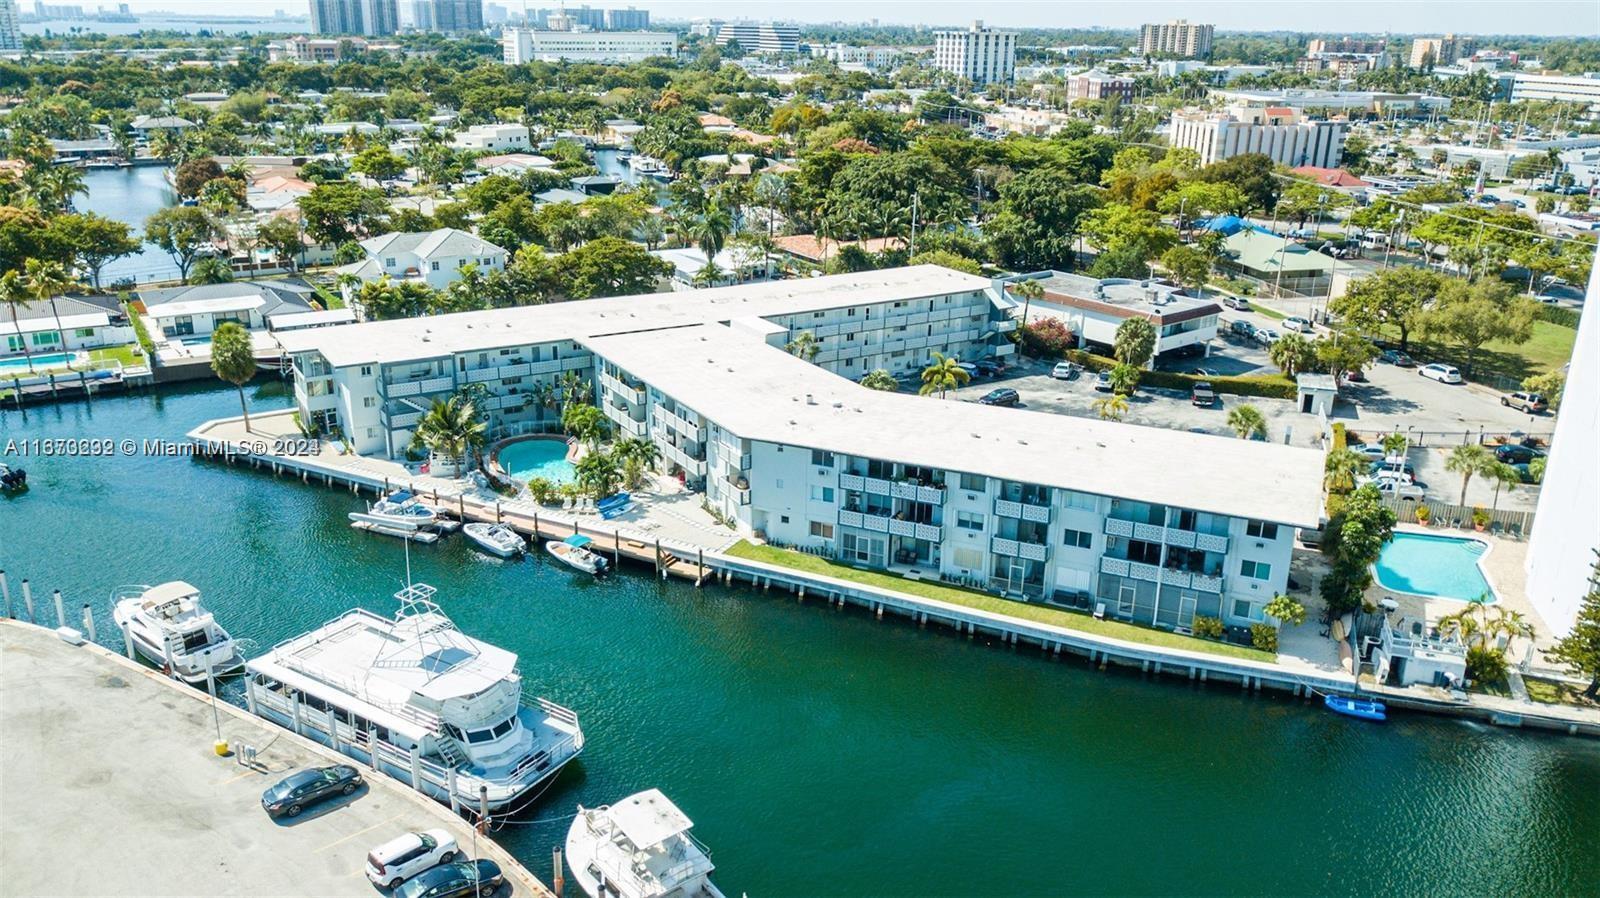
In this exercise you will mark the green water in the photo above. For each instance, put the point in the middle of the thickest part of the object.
(822, 752)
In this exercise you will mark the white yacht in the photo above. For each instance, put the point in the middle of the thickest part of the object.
(646, 165)
(169, 627)
(639, 847)
(418, 699)
(402, 509)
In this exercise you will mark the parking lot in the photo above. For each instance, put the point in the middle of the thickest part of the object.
(111, 787)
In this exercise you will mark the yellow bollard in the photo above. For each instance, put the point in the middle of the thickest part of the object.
(220, 747)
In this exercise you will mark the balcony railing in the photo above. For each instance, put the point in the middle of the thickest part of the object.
(1118, 566)
(1027, 511)
(622, 388)
(1012, 548)
(930, 532)
(850, 518)
(852, 482)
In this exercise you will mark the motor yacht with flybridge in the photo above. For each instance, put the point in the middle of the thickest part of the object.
(418, 699)
(168, 626)
(639, 847)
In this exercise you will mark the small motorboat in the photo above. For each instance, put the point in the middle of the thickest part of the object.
(401, 508)
(12, 478)
(169, 627)
(1355, 707)
(496, 539)
(574, 552)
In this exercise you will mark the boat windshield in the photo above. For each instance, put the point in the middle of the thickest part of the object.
(195, 639)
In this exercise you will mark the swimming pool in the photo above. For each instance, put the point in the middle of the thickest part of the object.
(19, 364)
(1445, 567)
(526, 459)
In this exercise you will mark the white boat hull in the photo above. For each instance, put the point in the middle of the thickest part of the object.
(188, 667)
(484, 536)
(576, 558)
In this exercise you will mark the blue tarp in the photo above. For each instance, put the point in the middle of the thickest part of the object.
(1225, 224)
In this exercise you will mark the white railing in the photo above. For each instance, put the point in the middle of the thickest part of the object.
(1211, 542)
(408, 388)
(903, 528)
(405, 420)
(1006, 547)
(1150, 533)
(1006, 508)
(621, 387)
(1183, 539)
(1205, 583)
(903, 490)
(850, 518)
(931, 494)
(1005, 349)
(1032, 551)
(1140, 571)
(929, 532)
(852, 482)
(1037, 513)
(437, 384)
(1174, 578)
(877, 485)
(1118, 527)
(1116, 566)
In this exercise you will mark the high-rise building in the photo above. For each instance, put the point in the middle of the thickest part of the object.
(629, 19)
(458, 16)
(1176, 38)
(978, 54)
(523, 45)
(1432, 51)
(10, 32)
(366, 17)
(1279, 132)
(495, 14)
(760, 37)
(1342, 45)
(421, 13)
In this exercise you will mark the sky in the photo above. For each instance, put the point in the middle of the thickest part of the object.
(1546, 17)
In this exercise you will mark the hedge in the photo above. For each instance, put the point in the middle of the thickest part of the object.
(1559, 315)
(1270, 386)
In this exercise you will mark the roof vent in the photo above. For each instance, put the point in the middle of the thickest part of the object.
(810, 400)
(838, 405)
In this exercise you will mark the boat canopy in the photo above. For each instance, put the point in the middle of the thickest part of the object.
(577, 541)
(649, 818)
(168, 592)
(401, 496)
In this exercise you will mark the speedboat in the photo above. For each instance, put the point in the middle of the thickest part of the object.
(12, 478)
(639, 847)
(574, 552)
(401, 508)
(496, 539)
(169, 627)
(1355, 707)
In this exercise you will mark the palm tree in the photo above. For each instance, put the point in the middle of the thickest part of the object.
(636, 455)
(587, 424)
(234, 360)
(1340, 470)
(1503, 475)
(451, 428)
(15, 294)
(1029, 290)
(1468, 460)
(1291, 352)
(1124, 379)
(804, 346)
(880, 379)
(46, 281)
(598, 473)
(1111, 407)
(1247, 422)
(710, 229)
(1395, 444)
(942, 375)
(708, 275)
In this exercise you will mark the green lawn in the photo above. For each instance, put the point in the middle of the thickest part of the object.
(331, 299)
(1270, 313)
(128, 355)
(1548, 349)
(983, 601)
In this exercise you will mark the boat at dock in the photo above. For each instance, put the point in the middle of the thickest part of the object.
(496, 539)
(1355, 707)
(402, 507)
(575, 553)
(403, 531)
(12, 478)
(646, 165)
(417, 699)
(639, 847)
(170, 628)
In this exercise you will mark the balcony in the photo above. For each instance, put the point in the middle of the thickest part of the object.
(1027, 511)
(933, 495)
(877, 485)
(903, 490)
(407, 419)
(930, 532)
(622, 388)
(850, 519)
(852, 482)
(1138, 570)
(1118, 527)
(1118, 566)
(1012, 548)
(692, 466)
(1205, 583)
(903, 528)
(1005, 327)
(1211, 543)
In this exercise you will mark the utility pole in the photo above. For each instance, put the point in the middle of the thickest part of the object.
(913, 248)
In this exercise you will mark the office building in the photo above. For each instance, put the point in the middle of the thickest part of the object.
(1176, 38)
(421, 15)
(629, 19)
(524, 45)
(978, 54)
(1279, 132)
(1427, 52)
(865, 57)
(301, 48)
(1344, 66)
(1079, 511)
(457, 16)
(760, 37)
(1338, 46)
(364, 17)
(1561, 88)
(1097, 85)
(10, 30)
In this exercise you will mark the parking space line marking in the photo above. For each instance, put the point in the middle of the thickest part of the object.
(359, 832)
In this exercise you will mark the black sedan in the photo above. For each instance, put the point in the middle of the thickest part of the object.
(1000, 396)
(1514, 454)
(479, 877)
(295, 792)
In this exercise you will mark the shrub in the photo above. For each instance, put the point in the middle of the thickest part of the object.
(1270, 386)
(1486, 665)
(1046, 338)
(1287, 610)
(1559, 315)
(1423, 514)
(1480, 517)
(1207, 627)
(542, 490)
(1264, 637)
(1341, 439)
(147, 345)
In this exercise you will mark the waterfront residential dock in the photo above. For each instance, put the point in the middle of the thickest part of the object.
(112, 787)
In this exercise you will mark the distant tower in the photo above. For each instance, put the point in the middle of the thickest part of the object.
(10, 32)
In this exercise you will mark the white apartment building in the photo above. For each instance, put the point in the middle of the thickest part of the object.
(1445, 50)
(1024, 503)
(433, 257)
(760, 37)
(10, 30)
(501, 138)
(1093, 309)
(978, 54)
(1176, 38)
(1279, 132)
(524, 45)
(1562, 88)
(870, 57)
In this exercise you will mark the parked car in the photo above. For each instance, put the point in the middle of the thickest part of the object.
(294, 792)
(403, 857)
(1066, 371)
(1532, 403)
(1242, 329)
(1396, 358)
(1445, 374)
(1000, 396)
(1369, 451)
(1102, 381)
(1203, 396)
(1296, 323)
(1236, 303)
(1392, 488)
(462, 878)
(970, 368)
(988, 368)
(1514, 454)
(1355, 376)
(1266, 336)
(1392, 465)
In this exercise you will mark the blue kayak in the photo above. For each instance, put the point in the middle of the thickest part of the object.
(1355, 707)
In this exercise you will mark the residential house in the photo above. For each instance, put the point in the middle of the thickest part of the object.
(433, 257)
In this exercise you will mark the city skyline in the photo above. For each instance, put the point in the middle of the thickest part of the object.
(1574, 18)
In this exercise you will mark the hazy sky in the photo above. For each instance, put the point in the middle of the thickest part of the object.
(1561, 17)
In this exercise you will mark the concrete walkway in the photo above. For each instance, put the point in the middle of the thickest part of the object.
(111, 787)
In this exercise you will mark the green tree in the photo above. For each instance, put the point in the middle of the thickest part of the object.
(15, 294)
(1471, 315)
(184, 233)
(1579, 650)
(451, 429)
(378, 163)
(211, 270)
(1029, 290)
(1247, 422)
(585, 423)
(880, 379)
(1550, 385)
(47, 280)
(1253, 174)
(1354, 537)
(636, 455)
(1135, 342)
(1394, 297)
(1467, 461)
(946, 259)
(1125, 233)
(1292, 353)
(190, 177)
(233, 359)
(1344, 351)
(1124, 378)
(281, 234)
(1111, 407)
(384, 299)
(341, 211)
(1341, 468)
(93, 240)
(942, 375)
(1286, 610)
(609, 266)
(598, 473)
(1038, 218)
(1189, 266)
(804, 346)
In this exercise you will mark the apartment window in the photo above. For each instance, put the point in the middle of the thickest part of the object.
(366, 370)
(318, 388)
(369, 401)
(783, 519)
(976, 483)
(435, 265)
(372, 432)
(821, 459)
(822, 493)
(1077, 539)
(821, 530)
(1246, 609)
(1261, 530)
(388, 262)
(1255, 570)
(1079, 500)
(46, 338)
(969, 520)
(84, 332)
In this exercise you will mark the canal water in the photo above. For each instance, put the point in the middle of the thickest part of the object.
(821, 752)
(130, 195)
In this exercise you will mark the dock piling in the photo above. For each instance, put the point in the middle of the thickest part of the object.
(88, 622)
(27, 600)
(61, 611)
(558, 881)
(5, 594)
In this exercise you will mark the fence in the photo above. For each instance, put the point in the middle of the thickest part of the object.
(1423, 439)
(1502, 522)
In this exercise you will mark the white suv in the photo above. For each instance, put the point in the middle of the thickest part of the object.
(1298, 324)
(403, 857)
(1445, 374)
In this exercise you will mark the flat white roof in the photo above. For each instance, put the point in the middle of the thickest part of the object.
(292, 320)
(407, 339)
(762, 393)
(240, 303)
(48, 323)
(649, 818)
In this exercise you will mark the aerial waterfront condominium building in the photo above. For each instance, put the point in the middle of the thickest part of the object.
(1280, 132)
(523, 45)
(1176, 38)
(760, 37)
(457, 16)
(978, 54)
(1025, 503)
(10, 30)
(365, 17)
